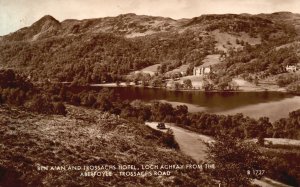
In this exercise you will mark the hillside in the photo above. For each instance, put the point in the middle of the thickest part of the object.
(85, 137)
(284, 17)
(105, 49)
(128, 25)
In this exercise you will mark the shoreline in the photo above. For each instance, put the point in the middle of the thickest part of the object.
(252, 89)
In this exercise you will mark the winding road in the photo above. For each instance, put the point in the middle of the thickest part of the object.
(194, 145)
(190, 143)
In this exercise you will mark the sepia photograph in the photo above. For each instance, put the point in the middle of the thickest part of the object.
(150, 93)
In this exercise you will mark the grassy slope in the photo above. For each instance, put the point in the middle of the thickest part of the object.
(83, 137)
(150, 69)
(224, 41)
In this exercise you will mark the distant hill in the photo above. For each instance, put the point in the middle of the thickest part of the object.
(284, 17)
(128, 25)
(104, 49)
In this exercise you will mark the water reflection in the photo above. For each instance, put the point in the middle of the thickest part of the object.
(214, 101)
(254, 104)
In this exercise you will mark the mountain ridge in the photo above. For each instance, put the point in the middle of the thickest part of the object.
(126, 24)
(105, 49)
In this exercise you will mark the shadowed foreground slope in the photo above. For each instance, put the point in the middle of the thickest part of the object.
(85, 137)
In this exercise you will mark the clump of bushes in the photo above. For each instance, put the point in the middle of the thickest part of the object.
(294, 87)
(281, 165)
(15, 90)
(169, 140)
(235, 160)
(285, 80)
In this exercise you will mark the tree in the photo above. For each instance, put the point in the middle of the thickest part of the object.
(145, 113)
(104, 100)
(127, 82)
(169, 140)
(264, 127)
(177, 86)
(6, 76)
(164, 110)
(187, 83)
(75, 100)
(156, 82)
(233, 159)
(256, 82)
(181, 110)
(224, 82)
(89, 100)
(63, 93)
(207, 86)
(60, 108)
(41, 104)
(190, 69)
(117, 83)
(261, 140)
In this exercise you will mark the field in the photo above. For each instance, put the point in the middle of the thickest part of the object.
(150, 69)
(211, 60)
(226, 40)
(180, 69)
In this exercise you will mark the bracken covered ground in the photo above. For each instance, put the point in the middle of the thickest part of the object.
(83, 137)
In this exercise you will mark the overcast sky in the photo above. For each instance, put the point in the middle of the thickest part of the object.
(15, 14)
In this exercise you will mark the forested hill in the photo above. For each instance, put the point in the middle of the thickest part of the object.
(104, 49)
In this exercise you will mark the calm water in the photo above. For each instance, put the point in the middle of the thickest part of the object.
(274, 105)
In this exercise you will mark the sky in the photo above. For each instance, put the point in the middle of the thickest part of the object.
(16, 14)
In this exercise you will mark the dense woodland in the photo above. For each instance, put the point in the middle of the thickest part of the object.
(101, 57)
(15, 90)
